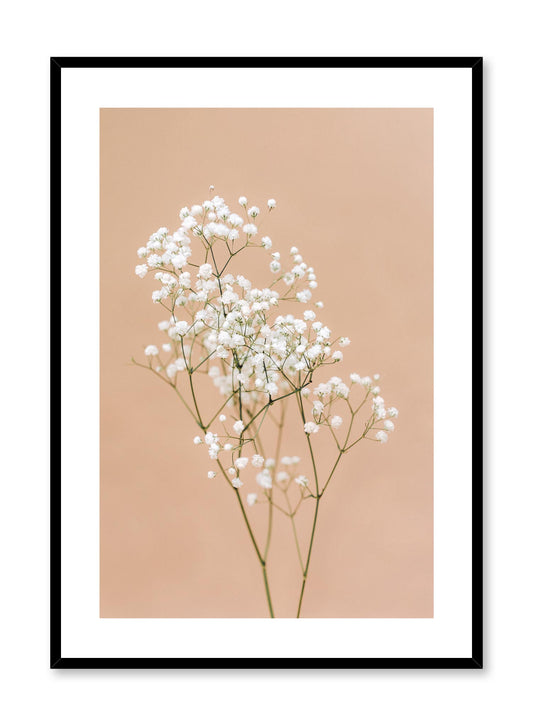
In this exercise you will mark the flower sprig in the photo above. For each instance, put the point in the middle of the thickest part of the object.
(259, 358)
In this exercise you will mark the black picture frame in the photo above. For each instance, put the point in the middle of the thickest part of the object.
(57, 661)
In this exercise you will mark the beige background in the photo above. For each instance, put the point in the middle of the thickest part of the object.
(355, 194)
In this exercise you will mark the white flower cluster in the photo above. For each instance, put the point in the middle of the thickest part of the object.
(327, 394)
(224, 316)
(219, 323)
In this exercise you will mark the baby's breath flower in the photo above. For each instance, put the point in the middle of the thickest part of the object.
(215, 314)
(205, 271)
(250, 229)
(238, 427)
(264, 479)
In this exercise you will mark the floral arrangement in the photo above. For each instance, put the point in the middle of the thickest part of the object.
(260, 361)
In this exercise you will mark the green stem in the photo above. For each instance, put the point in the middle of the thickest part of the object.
(306, 571)
(267, 590)
(196, 404)
(297, 542)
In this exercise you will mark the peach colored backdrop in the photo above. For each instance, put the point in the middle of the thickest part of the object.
(355, 193)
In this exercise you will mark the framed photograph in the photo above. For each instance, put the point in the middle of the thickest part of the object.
(267, 421)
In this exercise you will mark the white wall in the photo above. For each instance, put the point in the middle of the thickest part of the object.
(32, 693)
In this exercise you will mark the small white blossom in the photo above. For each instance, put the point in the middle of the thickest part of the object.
(141, 270)
(197, 440)
(238, 427)
(257, 461)
(241, 462)
(251, 499)
(336, 422)
(151, 350)
(237, 483)
(264, 479)
(311, 427)
(243, 201)
(205, 271)
(250, 229)
(181, 327)
(211, 474)
(382, 436)
(271, 203)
